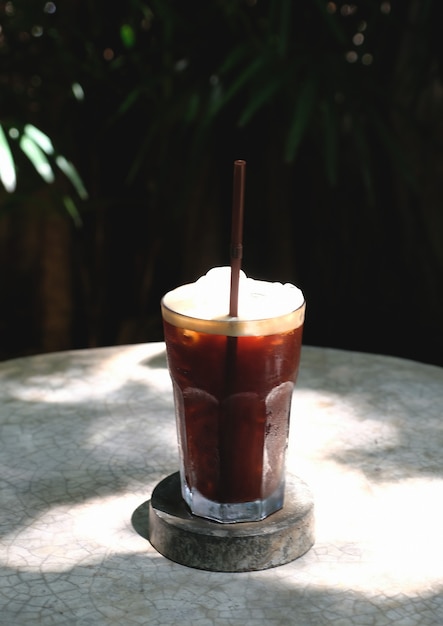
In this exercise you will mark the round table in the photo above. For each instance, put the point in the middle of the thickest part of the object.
(86, 436)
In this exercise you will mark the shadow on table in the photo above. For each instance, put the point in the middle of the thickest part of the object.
(384, 414)
(86, 435)
(125, 589)
(61, 451)
(156, 361)
(74, 427)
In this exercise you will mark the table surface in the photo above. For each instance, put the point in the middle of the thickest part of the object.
(86, 435)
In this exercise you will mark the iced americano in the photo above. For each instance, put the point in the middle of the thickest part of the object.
(233, 379)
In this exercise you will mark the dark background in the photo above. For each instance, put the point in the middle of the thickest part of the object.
(337, 108)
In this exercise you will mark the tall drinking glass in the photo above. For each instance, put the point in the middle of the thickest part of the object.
(233, 380)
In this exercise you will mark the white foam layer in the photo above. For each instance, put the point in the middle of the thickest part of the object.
(208, 297)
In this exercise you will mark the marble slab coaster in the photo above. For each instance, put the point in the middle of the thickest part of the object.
(196, 542)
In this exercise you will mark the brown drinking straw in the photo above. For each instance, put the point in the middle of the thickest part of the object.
(228, 424)
(237, 233)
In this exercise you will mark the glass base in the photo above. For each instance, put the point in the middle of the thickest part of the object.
(230, 513)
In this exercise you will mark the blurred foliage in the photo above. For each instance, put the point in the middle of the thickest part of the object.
(335, 105)
(175, 69)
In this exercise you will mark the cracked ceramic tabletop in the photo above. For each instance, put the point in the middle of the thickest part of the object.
(86, 435)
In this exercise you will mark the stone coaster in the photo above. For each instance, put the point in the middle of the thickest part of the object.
(241, 547)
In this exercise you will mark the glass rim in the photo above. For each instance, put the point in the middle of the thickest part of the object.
(235, 327)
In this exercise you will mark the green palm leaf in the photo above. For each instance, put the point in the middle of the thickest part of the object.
(37, 157)
(300, 121)
(261, 98)
(39, 138)
(7, 166)
(70, 172)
